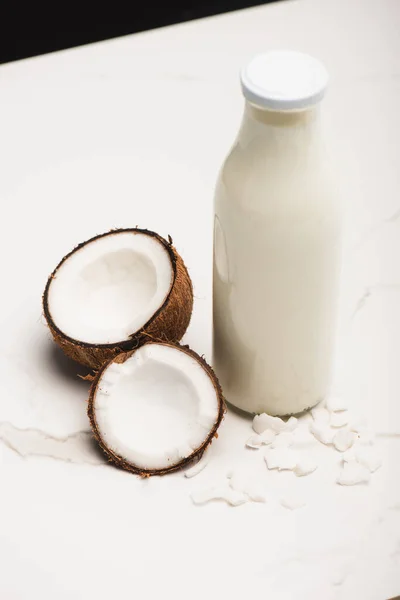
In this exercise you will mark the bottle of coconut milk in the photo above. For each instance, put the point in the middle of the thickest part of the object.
(277, 243)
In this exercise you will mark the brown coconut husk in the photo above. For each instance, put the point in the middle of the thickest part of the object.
(197, 454)
(168, 323)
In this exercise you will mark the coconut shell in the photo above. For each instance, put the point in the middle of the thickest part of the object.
(197, 454)
(168, 323)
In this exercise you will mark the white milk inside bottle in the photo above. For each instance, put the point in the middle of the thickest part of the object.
(277, 243)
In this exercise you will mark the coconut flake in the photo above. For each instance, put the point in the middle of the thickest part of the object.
(367, 437)
(267, 437)
(261, 423)
(349, 455)
(248, 486)
(254, 441)
(225, 493)
(367, 456)
(264, 421)
(280, 458)
(255, 494)
(305, 466)
(321, 432)
(282, 440)
(320, 414)
(352, 473)
(292, 501)
(339, 419)
(258, 440)
(199, 466)
(335, 403)
(359, 424)
(291, 424)
(366, 434)
(344, 439)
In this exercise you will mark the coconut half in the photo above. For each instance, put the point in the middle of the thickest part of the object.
(114, 291)
(155, 409)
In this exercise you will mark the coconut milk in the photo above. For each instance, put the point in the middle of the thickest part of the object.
(276, 263)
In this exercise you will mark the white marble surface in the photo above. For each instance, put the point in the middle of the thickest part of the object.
(132, 132)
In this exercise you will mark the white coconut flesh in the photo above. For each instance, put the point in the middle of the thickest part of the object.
(110, 288)
(155, 409)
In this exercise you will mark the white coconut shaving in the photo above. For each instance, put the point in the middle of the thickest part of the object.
(282, 459)
(261, 423)
(352, 473)
(358, 424)
(339, 419)
(320, 414)
(305, 466)
(335, 403)
(267, 437)
(263, 439)
(322, 432)
(282, 440)
(222, 492)
(349, 455)
(366, 437)
(366, 434)
(276, 424)
(344, 439)
(247, 485)
(291, 424)
(254, 442)
(331, 425)
(264, 421)
(292, 501)
(368, 457)
(199, 466)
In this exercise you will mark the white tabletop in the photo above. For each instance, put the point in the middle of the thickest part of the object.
(132, 132)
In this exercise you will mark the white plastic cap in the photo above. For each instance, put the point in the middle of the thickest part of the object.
(284, 80)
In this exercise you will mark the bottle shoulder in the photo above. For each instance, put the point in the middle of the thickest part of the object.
(251, 182)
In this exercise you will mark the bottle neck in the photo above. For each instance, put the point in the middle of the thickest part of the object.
(302, 125)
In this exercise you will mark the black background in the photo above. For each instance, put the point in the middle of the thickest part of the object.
(29, 29)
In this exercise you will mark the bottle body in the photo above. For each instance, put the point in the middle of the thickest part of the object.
(276, 264)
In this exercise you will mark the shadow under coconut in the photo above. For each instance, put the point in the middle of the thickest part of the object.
(64, 366)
